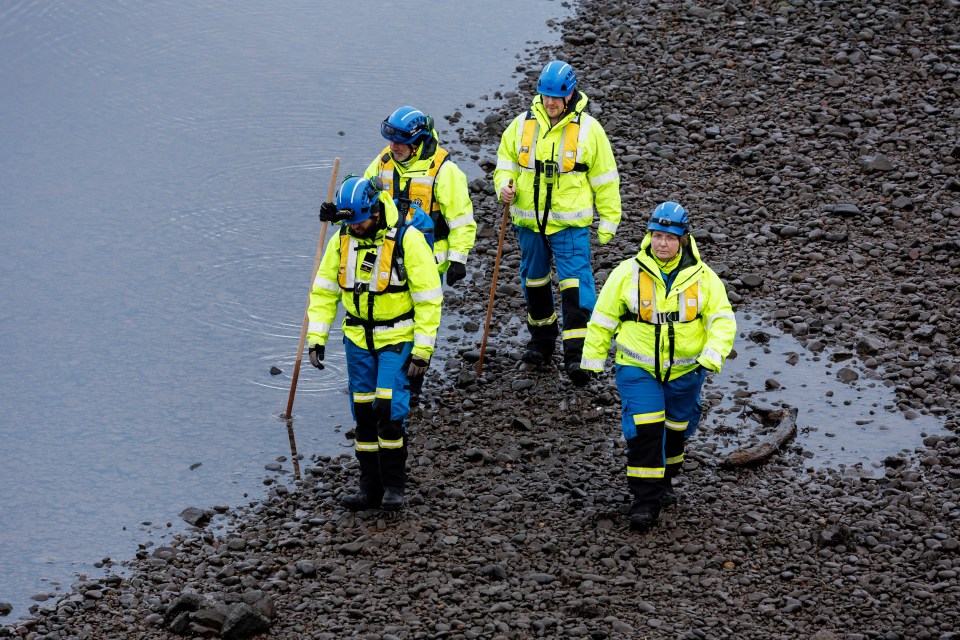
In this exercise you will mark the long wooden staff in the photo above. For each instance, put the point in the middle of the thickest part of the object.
(306, 313)
(493, 285)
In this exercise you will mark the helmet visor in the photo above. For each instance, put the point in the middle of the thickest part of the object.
(394, 134)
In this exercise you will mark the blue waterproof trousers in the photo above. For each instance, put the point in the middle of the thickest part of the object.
(380, 402)
(570, 250)
(657, 420)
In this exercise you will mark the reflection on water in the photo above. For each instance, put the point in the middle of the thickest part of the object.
(163, 163)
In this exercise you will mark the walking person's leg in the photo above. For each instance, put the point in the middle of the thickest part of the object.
(578, 294)
(393, 397)
(643, 425)
(362, 381)
(537, 284)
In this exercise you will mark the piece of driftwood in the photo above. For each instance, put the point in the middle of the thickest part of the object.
(786, 420)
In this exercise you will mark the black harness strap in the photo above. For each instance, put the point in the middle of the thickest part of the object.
(396, 264)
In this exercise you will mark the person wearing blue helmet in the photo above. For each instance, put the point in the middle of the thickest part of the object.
(562, 170)
(668, 315)
(419, 174)
(383, 273)
(416, 170)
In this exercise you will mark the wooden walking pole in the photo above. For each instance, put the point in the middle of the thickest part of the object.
(493, 285)
(306, 318)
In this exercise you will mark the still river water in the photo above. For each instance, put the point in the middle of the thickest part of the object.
(162, 164)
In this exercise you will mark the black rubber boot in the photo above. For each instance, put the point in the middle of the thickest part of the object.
(668, 498)
(643, 516)
(535, 356)
(392, 499)
(360, 500)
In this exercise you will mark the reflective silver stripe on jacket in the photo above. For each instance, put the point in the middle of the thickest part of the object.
(323, 283)
(423, 296)
(604, 178)
(318, 327)
(456, 223)
(606, 225)
(605, 321)
(649, 360)
(421, 340)
(567, 216)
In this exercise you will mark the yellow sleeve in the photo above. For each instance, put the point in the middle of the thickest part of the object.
(424, 283)
(719, 322)
(605, 320)
(605, 182)
(325, 294)
(373, 169)
(508, 167)
(453, 194)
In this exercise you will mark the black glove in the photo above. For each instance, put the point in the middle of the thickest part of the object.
(330, 213)
(456, 273)
(418, 367)
(316, 355)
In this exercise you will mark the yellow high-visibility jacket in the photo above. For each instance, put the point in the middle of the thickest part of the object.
(384, 303)
(438, 186)
(588, 175)
(635, 309)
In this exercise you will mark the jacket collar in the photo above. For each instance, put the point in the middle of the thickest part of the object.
(578, 102)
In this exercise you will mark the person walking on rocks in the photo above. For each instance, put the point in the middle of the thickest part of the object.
(383, 273)
(672, 322)
(562, 166)
(416, 170)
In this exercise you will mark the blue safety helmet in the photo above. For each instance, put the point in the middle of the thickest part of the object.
(406, 125)
(357, 197)
(669, 217)
(557, 80)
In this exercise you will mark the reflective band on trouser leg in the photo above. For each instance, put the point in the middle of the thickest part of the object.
(645, 459)
(682, 400)
(575, 320)
(392, 379)
(674, 447)
(365, 446)
(393, 454)
(536, 282)
(362, 376)
(541, 318)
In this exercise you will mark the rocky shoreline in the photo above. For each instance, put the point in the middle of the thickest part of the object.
(817, 145)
